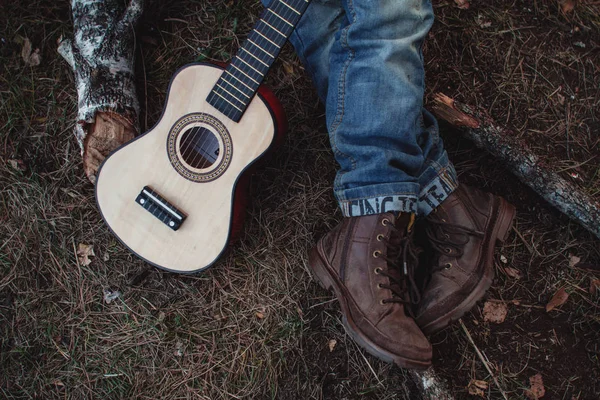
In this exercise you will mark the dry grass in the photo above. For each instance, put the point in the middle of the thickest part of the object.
(171, 336)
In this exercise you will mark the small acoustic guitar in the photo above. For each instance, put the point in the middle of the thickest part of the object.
(173, 195)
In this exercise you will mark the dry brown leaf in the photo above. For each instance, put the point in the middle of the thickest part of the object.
(30, 58)
(494, 312)
(18, 165)
(477, 388)
(536, 390)
(568, 5)
(559, 298)
(573, 261)
(462, 4)
(260, 315)
(84, 252)
(594, 285)
(331, 344)
(513, 272)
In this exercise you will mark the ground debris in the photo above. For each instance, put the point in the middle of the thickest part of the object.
(494, 312)
(331, 344)
(84, 252)
(594, 286)
(17, 165)
(568, 5)
(477, 387)
(573, 261)
(110, 295)
(462, 4)
(536, 390)
(30, 56)
(559, 298)
(513, 273)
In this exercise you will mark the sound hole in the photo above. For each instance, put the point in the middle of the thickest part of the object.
(199, 147)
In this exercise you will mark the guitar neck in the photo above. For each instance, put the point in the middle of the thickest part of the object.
(243, 76)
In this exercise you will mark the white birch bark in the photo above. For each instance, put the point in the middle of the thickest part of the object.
(101, 55)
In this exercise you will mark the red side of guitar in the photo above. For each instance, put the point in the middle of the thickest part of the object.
(241, 200)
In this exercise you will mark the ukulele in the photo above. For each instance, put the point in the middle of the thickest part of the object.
(175, 195)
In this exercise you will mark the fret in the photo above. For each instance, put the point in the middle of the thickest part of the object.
(253, 62)
(257, 71)
(281, 18)
(256, 56)
(269, 40)
(291, 8)
(273, 28)
(224, 98)
(233, 86)
(245, 74)
(231, 94)
(237, 79)
(264, 51)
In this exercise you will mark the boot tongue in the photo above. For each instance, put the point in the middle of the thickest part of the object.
(400, 272)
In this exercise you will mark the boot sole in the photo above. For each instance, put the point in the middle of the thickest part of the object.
(501, 229)
(327, 281)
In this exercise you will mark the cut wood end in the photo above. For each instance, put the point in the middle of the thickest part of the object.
(108, 132)
(444, 108)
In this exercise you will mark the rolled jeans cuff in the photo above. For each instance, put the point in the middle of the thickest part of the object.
(438, 189)
(401, 197)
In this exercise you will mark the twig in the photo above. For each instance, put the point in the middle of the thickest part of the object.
(432, 386)
(530, 169)
(482, 358)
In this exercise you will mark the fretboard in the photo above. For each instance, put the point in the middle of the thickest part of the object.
(241, 79)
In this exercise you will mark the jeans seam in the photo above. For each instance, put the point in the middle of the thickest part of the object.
(341, 97)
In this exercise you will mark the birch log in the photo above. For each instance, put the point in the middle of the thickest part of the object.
(101, 55)
(532, 171)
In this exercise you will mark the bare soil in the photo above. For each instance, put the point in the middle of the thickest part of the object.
(256, 325)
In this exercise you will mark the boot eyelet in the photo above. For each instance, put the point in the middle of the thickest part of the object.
(382, 302)
(385, 222)
(379, 286)
(377, 271)
(376, 254)
(448, 266)
(447, 250)
(380, 237)
(446, 236)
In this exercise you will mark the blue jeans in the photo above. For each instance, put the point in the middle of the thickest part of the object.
(365, 58)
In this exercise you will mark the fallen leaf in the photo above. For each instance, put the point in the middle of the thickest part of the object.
(573, 261)
(559, 298)
(513, 272)
(110, 296)
(568, 5)
(477, 388)
(594, 285)
(105, 257)
(260, 315)
(462, 4)
(494, 312)
(536, 390)
(503, 259)
(331, 344)
(85, 251)
(30, 58)
(288, 68)
(18, 165)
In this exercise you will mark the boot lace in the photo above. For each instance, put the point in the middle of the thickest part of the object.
(446, 238)
(402, 258)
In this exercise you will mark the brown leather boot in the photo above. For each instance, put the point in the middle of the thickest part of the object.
(369, 262)
(462, 233)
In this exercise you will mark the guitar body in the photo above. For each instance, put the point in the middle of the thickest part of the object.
(170, 194)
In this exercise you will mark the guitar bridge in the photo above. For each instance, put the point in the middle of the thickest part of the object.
(156, 205)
